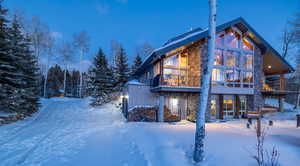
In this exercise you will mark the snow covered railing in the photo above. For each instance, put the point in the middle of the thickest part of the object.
(138, 107)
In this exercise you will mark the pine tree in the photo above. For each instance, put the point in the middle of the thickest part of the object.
(121, 69)
(31, 79)
(27, 73)
(136, 64)
(100, 80)
(19, 88)
(7, 66)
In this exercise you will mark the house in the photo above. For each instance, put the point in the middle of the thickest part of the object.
(169, 80)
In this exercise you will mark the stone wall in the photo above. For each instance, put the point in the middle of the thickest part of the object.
(192, 108)
(258, 80)
(193, 66)
(193, 100)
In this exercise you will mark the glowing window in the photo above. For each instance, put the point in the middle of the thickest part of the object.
(247, 45)
(232, 39)
(231, 58)
(248, 77)
(172, 61)
(218, 58)
(248, 61)
(217, 75)
(220, 41)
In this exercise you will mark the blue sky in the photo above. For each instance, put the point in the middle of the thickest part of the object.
(133, 22)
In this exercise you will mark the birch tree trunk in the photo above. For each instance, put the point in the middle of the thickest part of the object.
(65, 79)
(46, 76)
(80, 67)
(204, 94)
(298, 94)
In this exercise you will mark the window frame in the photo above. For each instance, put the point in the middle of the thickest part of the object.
(239, 62)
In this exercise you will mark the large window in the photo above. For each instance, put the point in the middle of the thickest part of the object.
(232, 58)
(232, 39)
(217, 75)
(247, 60)
(233, 61)
(247, 45)
(218, 58)
(175, 70)
(220, 41)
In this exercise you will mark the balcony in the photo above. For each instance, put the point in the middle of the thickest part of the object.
(178, 83)
(275, 86)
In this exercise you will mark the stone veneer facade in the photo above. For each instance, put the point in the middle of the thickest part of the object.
(193, 66)
(258, 80)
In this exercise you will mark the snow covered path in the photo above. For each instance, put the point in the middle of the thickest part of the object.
(68, 132)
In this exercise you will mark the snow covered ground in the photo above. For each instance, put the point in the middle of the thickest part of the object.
(69, 132)
(288, 114)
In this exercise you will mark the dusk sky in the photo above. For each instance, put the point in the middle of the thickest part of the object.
(133, 22)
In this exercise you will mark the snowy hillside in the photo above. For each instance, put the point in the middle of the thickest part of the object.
(68, 132)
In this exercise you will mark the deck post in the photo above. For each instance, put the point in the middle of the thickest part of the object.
(237, 106)
(161, 108)
(281, 103)
(281, 82)
(221, 108)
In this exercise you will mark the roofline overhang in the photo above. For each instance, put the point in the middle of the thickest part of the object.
(204, 34)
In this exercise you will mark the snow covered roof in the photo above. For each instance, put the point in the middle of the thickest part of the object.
(199, 34)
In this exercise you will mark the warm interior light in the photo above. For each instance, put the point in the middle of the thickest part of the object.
(269, 67)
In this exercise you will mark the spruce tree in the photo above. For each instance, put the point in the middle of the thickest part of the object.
(100, 80)
(121, 69)
(27, 71)
(136, 64)
(31, 78)
(7, 67)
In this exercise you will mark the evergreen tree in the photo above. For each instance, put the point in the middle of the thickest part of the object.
(100, 80)
(31, 80)
(7, 66)
(19, 88)
(121, 69)
(27, 73)
(136, 64)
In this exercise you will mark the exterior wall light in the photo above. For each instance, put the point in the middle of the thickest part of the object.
(269, 67)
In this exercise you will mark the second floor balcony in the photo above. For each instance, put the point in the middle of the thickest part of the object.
(176, 81)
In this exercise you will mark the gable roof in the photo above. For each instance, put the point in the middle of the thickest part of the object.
(199, 34)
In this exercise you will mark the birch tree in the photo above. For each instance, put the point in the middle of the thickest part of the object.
(39, 35)
(144, 50)
(81, 42)
(296, 41)
(66, 57)
(49, 45)
(287, 40)
(204, 94)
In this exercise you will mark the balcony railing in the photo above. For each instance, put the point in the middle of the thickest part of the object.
(176, 81)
